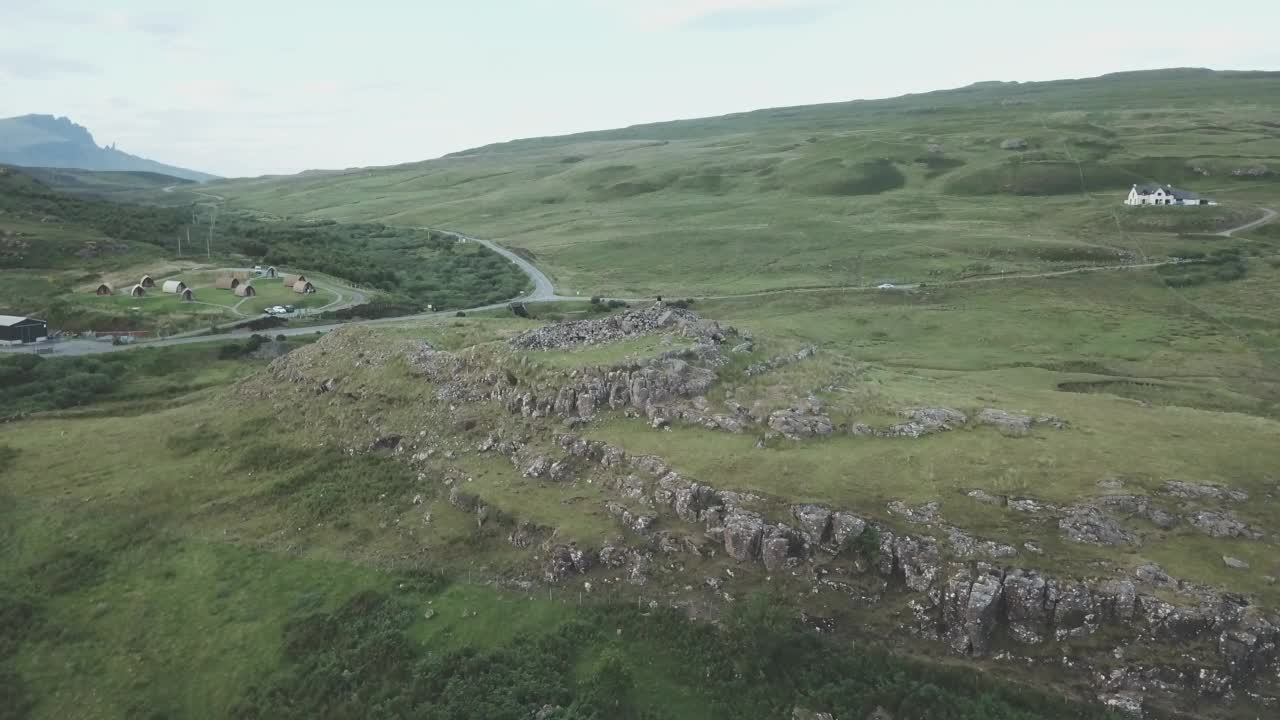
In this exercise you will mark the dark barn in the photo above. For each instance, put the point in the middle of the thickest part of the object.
(15, 330)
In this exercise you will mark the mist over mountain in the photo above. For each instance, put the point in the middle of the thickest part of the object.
(57, 142)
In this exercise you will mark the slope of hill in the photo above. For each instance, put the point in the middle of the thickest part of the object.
(57, 142)
(910, 189)
(1045, 456)
(55, 248)
(113, 185)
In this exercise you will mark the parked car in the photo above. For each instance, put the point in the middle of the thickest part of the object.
(886, 286)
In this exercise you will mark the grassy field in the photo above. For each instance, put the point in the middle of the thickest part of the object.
(916, 189)
(203, 555)
(59, 239)
(232, 549)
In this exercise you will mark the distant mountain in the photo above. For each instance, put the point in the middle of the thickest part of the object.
(57, 142)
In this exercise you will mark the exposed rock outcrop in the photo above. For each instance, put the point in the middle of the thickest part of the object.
(1088, 524)
(624, 326)
(797, 424)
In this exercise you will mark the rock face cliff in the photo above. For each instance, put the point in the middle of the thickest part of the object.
(57, 142)
(1137, 637)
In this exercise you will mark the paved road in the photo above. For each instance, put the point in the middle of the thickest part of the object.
(544, 291)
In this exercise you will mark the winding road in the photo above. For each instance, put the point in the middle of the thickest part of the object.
(544, 291)
(1267, 216)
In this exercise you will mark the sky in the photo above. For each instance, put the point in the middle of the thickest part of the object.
(251, 87)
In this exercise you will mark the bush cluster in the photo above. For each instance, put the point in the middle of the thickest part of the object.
(359, 661)
(1222, 265)
(416, 267)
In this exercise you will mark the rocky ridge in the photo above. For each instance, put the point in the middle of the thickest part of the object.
(962, 591)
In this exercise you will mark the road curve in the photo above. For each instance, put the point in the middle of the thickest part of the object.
(544, 291)
(1267, 216)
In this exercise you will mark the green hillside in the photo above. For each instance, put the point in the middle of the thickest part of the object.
(118, 186)
(908, 189)
(59, 241)
(1033, 478)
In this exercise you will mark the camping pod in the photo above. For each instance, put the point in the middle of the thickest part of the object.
(245, 290)
(271, 272)
(137, 291)
(104, 289)
(226, 282)
(174, 287)
(291, 280)
(147, 282)
(188, 295)
(302, 287)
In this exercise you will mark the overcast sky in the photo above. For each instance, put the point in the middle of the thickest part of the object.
(246, 87)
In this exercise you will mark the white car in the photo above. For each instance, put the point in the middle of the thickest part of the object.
(886, 286)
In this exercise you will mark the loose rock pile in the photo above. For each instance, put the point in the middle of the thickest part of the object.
(625, 326)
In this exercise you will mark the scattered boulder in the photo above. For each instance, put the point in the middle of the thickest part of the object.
(743, 532)
(799, 713)
(1088, 524)
(1234, 563)
(1116, 600)
(987, 498)
(1031, 506)
(774, 551)
(1007, 422)
(844, 527)
(921, 514)
(1125, 703)
(918, 559)
(1013, 144)
(1221, 524)
(560, 471)
(800, 425)
(924, 421)
(965, 546)
(1194, 491)
(631, 324)
(815, 522)
(970, 609)
(539, 467)
(1026, 605)
(781, 361)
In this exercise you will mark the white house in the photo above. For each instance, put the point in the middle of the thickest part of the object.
(1164, 195)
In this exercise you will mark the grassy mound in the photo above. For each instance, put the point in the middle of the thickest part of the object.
(834, 176)
(1018, 177)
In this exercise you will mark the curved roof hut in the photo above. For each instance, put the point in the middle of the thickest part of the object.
(245, 290)
(104, 289)
(302, 287)
(174, 287)
(137, 291)
(271, 272)
(147, 282)
(188, 295)
(226, 282)
(291, 280)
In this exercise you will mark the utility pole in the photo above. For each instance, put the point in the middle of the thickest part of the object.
(213, 220)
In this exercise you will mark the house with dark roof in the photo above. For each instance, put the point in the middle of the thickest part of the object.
(1152, 194)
